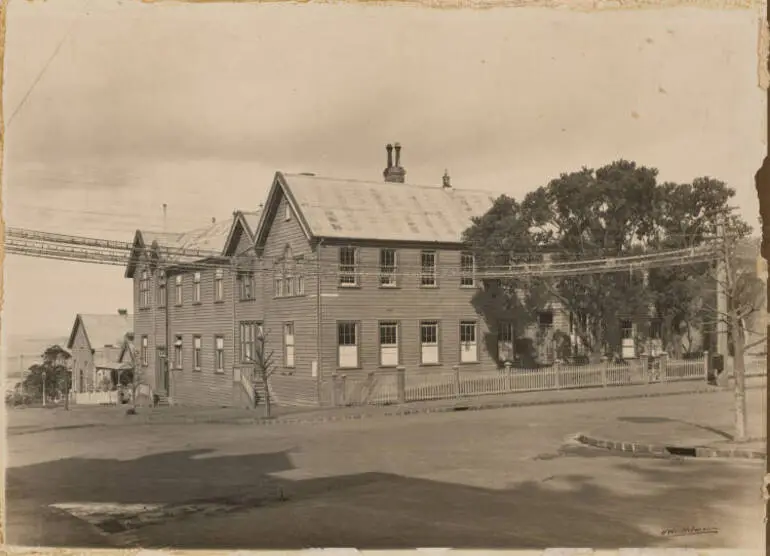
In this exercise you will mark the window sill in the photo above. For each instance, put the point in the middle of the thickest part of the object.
(429, 286)
(349, 286)
(246, 299)
(431, 364)
(197, 303)
(468, 287)
(469, 363)
(178, 305)
(394, 287)
(161, 306)
(343, 369)
(145, 308)
(388, 367)
(196, 370)
(219, 301)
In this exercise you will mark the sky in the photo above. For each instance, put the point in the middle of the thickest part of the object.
(115, 107)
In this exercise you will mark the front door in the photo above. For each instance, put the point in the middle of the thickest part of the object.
(162, 378)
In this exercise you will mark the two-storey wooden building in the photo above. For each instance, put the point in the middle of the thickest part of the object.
(336, 276)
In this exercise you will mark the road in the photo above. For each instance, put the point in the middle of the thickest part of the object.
(507, 478)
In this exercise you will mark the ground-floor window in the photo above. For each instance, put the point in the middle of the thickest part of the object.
(469, 348)
(288, 345)
(429, 342)
(389, 356)
(219, 354)
(197, 353)
(178, 352)
(249, 331)
(347, 344)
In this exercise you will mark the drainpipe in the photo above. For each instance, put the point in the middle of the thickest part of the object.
(233, 265)
(319, 322)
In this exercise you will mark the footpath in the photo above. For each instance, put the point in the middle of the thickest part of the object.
(29, 421)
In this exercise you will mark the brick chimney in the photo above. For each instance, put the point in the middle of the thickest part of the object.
(446, 181)
(394, 172)
(123, 312)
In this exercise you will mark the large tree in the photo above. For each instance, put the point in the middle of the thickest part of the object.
(614, 211)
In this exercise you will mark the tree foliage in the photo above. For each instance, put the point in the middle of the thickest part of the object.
(52, 370)
(616, 210)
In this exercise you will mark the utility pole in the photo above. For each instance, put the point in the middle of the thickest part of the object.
(722, 280)
(731, 313)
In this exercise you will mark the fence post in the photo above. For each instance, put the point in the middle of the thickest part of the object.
(401, 384)
(706, 365)
(344, 389)
(334, 390)
(557, 372)
(604, 368)
(508, 374)
(456, 369)
(663, 367)
(645, 362)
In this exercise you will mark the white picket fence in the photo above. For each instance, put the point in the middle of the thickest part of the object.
(382, 387)
(96, 398)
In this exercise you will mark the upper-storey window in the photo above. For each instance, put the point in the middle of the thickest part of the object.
(246, 283)
(348, 266)
(178, 289)
(144, 289)
(197, 287)
(388, 268)
(428, 274)
(467, 270)
(219, 288)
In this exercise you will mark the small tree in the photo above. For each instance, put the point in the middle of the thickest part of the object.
(744, 294)
(264, 367)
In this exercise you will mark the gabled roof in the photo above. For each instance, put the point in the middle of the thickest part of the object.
(352, 209)
(102, 330)
(201, 243)
(243, 222)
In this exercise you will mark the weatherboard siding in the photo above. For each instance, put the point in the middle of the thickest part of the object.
(294, 385)
(408, 304)
(206, 319)
(145, 325)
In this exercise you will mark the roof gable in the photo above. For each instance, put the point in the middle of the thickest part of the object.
(278, 190)
(243, 223)
(102, 330)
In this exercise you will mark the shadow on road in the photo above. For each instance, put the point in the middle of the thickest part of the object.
(371, 510)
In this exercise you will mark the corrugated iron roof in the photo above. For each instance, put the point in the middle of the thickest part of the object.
(107, 330)
(210, 239)
(351, 209)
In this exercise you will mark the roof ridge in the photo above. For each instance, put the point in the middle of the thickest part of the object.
(436, 187)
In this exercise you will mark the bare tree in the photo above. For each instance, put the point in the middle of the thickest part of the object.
(743, 294)
(264, 367)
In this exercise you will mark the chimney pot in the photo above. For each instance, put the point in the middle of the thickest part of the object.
(398, 155)
(389, 148)
(446, 180)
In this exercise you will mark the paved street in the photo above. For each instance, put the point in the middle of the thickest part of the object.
(497, 478)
